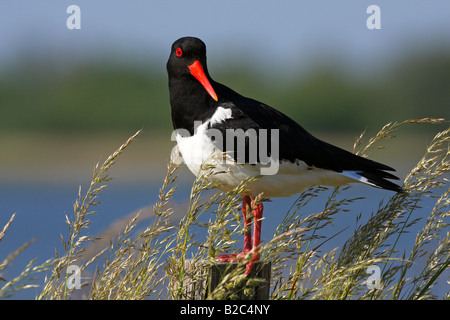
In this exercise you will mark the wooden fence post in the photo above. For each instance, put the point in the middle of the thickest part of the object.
(260, 271)
(197, 282)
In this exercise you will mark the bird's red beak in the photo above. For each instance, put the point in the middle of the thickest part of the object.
(199, 74)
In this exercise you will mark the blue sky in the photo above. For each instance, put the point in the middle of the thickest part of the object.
(265, 32)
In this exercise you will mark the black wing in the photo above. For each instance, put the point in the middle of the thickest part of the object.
(295, 143)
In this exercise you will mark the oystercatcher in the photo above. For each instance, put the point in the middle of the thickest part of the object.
(213, 123)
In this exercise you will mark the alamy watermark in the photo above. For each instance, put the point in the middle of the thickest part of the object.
(374, 279)
(74, 20)
(373, 22)
(255, 147)
(73, 277)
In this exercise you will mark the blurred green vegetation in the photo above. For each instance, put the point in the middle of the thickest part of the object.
(115, 97)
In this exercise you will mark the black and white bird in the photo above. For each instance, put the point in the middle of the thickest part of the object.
(206, 113)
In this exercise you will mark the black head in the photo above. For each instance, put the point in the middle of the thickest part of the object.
(185, 51)
(188, 59)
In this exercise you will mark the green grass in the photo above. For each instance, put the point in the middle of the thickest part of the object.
(163, 259)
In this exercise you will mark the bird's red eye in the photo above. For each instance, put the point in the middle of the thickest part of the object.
(179, 52)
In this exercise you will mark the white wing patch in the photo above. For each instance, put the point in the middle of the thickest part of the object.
(220, 115)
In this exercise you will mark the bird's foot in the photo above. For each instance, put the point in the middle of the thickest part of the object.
(236, 257)
(233, 257)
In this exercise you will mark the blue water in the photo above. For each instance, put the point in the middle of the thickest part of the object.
(40, 214)
(41, 208)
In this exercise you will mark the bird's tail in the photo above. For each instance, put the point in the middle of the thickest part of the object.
(376, 179)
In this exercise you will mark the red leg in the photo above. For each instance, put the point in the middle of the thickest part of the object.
(257, 211)
(257, 224)
(246, 205)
